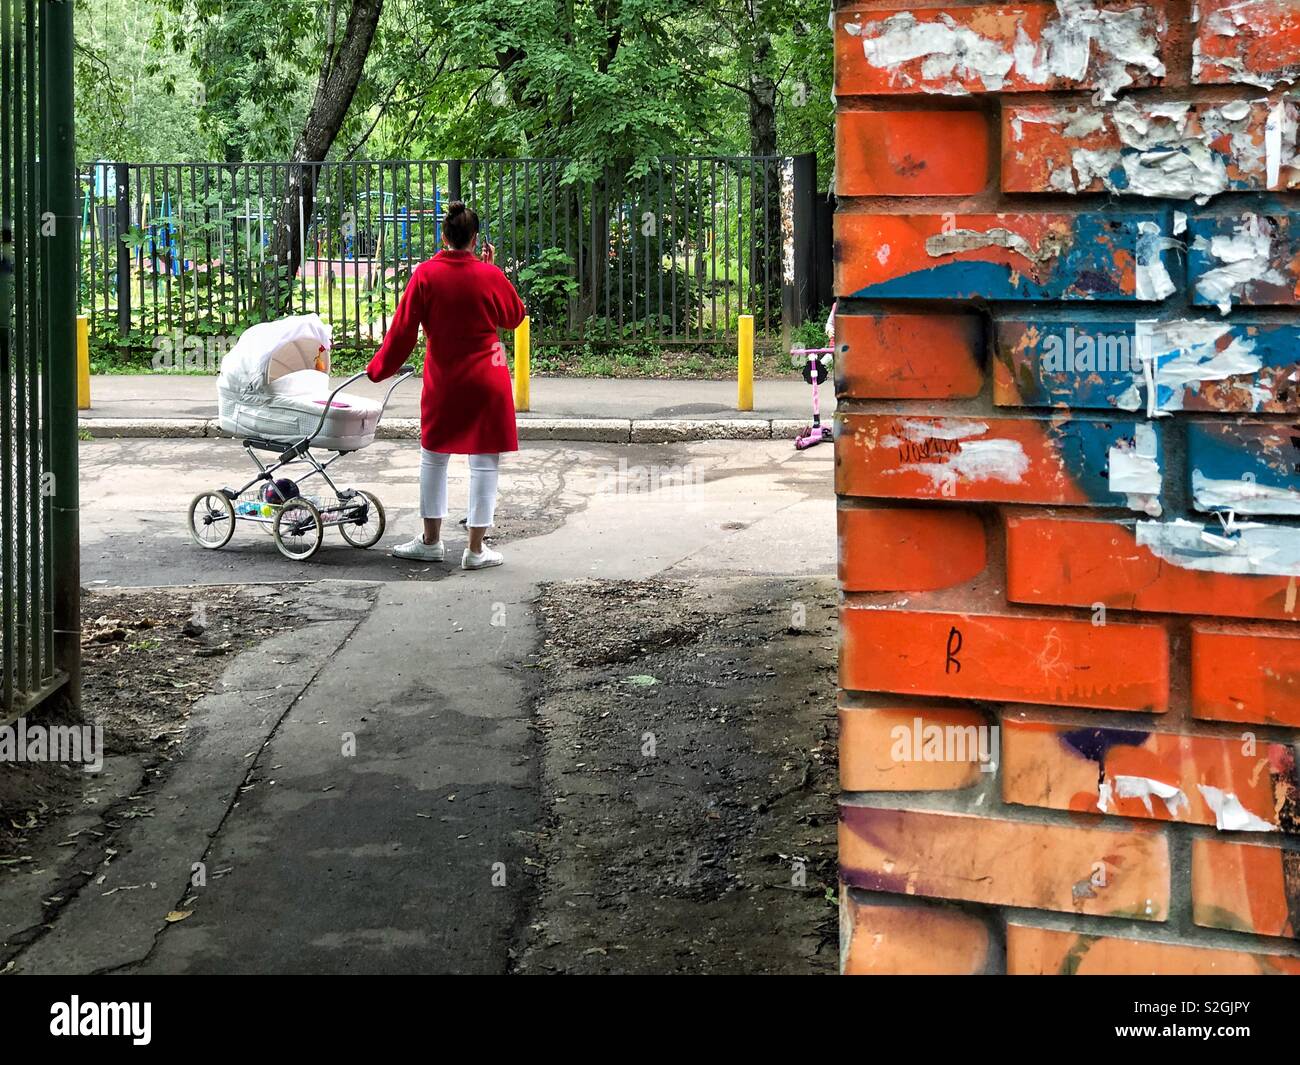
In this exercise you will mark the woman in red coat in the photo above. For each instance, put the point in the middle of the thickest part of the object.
(467, 406)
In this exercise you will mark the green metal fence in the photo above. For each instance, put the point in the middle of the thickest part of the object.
(39, 630)
(673, 255)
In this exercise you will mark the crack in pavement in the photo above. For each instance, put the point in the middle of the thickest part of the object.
(215, 834)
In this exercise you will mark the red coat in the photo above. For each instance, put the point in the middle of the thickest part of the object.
(467, 406)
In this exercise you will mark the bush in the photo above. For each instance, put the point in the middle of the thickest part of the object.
(811, 332)
(547, 285)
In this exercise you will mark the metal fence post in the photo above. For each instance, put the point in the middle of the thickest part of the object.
(60, 178)
(83, 362)
(802, 297)
(824, 250)
(745, 363)
(123, 181)
(453, 180)
(523, 365)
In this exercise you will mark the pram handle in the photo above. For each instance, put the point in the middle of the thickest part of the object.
(402, 374)
(329, 403)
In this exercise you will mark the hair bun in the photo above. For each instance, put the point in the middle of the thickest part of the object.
(460, 225)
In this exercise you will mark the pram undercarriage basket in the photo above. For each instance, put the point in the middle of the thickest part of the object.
(277, 376)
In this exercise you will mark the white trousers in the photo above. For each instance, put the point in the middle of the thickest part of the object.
(482, 487)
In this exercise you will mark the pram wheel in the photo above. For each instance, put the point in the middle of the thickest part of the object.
(365, 532)
(299, 530)
(212, 520)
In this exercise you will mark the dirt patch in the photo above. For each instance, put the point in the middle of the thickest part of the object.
(32, 796)
(147, 657)
(689, 768)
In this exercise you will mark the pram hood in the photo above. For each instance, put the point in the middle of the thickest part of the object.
(271, 350)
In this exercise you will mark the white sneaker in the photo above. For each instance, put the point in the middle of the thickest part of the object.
(485, 558)
(420, 551)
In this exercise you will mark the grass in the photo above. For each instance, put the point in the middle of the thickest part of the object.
(715, 362)
(626, 359)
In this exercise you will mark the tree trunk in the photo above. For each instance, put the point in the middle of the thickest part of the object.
(339, 76)
(592, 282)
(762, 102)
(765, 193)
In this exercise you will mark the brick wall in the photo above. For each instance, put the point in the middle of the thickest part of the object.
(1068, 467)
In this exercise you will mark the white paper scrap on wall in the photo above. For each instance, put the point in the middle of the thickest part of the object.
(1229, 814)
(1134, 470)
(1243, 497)
(1268, 550)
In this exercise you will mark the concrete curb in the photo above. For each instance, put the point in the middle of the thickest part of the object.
(665, 431)
(148, 428)
(579, 430)
(590, 430)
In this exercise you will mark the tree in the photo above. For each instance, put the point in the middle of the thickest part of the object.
(607, 83)
(254, 61)
(344, 60)
(602, 82)
(132, 102)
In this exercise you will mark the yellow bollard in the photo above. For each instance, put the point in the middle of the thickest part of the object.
(83, 362)
(523, 335)
(745, 364)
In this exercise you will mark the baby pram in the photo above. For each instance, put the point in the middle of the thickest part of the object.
(274, 394)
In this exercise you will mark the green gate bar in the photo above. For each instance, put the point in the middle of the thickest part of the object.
(64, 550)
(39, 559)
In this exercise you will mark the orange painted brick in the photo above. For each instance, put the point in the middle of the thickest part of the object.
(989, 48)
(1252, 677)
(1246, 676)
(908, 550)
(1005, 863)
(911, 153)
(908, 356)
(1014, 460)
(1079, 563)
(910, 939)
(1047, 952)
(1254, 42)
(1012, 659)
(1245, 888)
(1121, 149)
(914, 748)
(1079, 255)
(1206, 780)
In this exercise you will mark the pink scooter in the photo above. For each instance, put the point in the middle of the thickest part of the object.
(815, 370)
